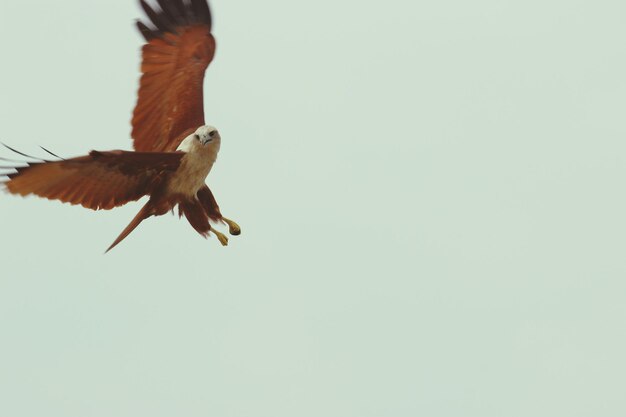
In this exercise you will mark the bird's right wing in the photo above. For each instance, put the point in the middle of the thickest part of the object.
(100, 180)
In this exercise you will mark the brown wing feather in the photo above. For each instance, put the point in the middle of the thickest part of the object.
(100, 180)
(179, 49)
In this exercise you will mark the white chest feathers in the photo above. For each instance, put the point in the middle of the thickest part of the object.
(193, 170)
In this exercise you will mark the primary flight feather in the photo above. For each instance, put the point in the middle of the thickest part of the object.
(174, 149)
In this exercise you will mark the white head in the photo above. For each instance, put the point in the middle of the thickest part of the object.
(205, 137)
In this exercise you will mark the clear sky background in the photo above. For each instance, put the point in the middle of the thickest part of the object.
(432, 197)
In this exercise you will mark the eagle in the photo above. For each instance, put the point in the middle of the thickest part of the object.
(174, 150)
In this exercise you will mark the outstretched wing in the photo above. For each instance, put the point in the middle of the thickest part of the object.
(178, 50)
(100, 180)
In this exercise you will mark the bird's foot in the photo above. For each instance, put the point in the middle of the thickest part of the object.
(221, 237)
(233, 228)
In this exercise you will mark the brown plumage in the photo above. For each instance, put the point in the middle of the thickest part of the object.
(170, 99)
(174, 150)
(100, 180)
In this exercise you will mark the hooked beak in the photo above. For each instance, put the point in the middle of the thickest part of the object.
(206, 140)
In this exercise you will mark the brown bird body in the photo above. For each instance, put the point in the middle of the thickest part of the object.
(174, 150)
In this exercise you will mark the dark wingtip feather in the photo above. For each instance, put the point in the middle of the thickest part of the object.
(23, 154)
(179, 5)
(53, 154)
(173, 14)
(158, 19)
(145, 31)
(202, 11)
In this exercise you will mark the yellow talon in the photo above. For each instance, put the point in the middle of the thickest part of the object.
(233, 228)
(221, 237)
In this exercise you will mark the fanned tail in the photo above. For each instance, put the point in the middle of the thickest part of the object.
(144, 213)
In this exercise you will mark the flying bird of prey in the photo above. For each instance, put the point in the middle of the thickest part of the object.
(174, 149)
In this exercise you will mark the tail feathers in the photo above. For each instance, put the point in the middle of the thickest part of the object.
(144, 213)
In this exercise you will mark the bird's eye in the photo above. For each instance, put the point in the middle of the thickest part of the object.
(212, 133)
(197, 137)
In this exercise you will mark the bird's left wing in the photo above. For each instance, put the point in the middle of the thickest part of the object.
(100, 180)
(179, 48)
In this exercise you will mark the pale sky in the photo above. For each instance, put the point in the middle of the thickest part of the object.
(432, 197)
